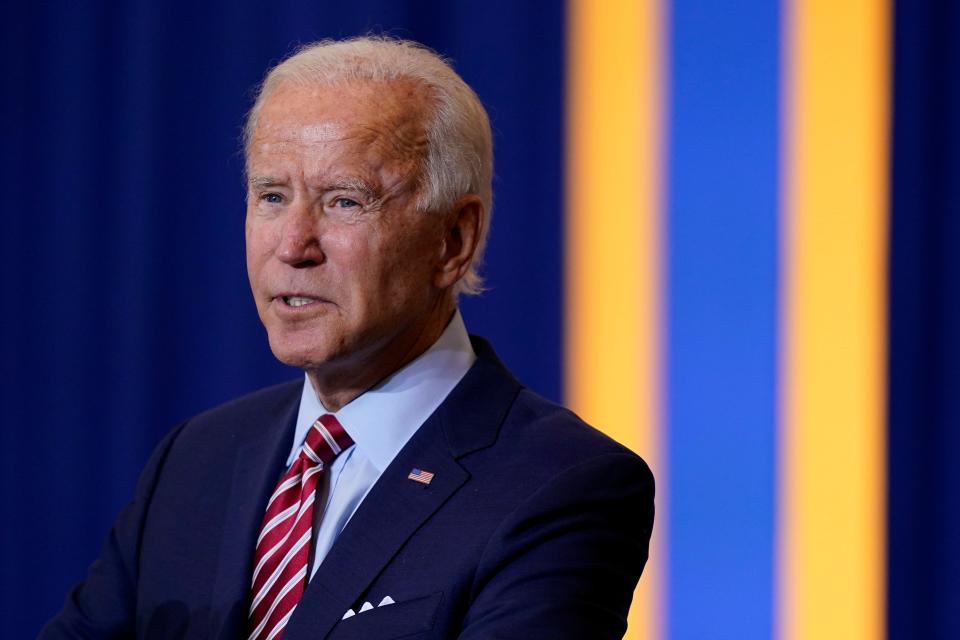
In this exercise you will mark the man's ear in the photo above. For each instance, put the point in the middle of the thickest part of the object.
(462, 227)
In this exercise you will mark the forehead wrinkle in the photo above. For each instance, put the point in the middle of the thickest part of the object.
(395, 145)
(279, 137)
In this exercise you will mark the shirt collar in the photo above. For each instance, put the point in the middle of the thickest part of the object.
(381, 420)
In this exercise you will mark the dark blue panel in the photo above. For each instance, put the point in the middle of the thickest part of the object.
(125, 305)
(924, 364)
(721, 353)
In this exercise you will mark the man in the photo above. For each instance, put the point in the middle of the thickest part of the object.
(408, 487)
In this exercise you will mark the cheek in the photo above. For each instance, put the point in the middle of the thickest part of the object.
(365, 272)
(261, 240)
(353, 252)
(406, 272)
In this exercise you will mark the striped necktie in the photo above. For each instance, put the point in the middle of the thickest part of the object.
(283, 548)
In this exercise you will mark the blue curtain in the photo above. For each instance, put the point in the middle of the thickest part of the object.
(924, 382)
(125, 306)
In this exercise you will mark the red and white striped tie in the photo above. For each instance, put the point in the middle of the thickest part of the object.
(283, 548)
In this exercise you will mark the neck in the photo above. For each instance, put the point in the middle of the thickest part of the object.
(337, 384)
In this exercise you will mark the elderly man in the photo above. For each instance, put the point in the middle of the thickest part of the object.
(408, 486)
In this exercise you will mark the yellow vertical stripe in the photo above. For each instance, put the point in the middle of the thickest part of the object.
(832, 490)
(612, 254)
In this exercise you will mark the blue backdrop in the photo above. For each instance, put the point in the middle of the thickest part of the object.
(924, 405)
(125, 305)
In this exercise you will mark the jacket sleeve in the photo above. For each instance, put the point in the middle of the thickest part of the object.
(103, 605)
(565, 563)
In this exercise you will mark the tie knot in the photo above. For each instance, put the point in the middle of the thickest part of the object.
(325, 440)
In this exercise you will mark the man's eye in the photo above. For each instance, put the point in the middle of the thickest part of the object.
(345, 203)
(272, 198)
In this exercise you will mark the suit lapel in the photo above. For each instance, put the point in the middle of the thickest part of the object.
(388, 516)
(257, 465)
(397, 507)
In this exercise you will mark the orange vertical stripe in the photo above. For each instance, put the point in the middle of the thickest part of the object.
(613, 259)
(832, 482)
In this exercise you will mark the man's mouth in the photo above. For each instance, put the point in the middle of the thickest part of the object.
(298, 301)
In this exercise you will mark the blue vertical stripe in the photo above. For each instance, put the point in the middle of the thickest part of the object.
(721, 351)
(924, 310)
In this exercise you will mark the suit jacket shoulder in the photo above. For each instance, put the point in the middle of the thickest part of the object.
(559, 436)
(243, 418)
(176, 562)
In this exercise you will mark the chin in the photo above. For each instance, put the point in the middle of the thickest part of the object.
(298, 352)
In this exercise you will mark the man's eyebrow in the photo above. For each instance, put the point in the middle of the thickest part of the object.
(265, 181)
(348, 183)
(358, 185)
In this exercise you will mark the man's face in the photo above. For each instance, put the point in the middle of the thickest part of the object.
(340, 260)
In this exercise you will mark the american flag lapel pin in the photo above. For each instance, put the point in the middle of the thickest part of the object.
(420, 475)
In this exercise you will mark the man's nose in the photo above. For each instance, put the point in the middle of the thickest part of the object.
(300, 238)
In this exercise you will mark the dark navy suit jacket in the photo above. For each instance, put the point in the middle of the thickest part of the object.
(534, 526)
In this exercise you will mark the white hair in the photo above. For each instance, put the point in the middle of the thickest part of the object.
(459, 156)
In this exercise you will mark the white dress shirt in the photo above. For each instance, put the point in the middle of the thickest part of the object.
(380, 421)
